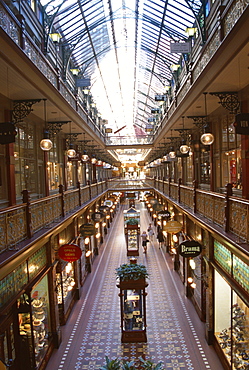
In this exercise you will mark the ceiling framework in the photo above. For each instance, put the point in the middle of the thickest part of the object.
(123, 46)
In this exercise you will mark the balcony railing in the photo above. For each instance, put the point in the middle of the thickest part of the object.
(221, 210)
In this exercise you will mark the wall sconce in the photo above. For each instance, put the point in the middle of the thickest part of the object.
(56, 36)
(75, 71)
(87, 241)
(88, 253)
(175, 238)
(192, 264)
(174, 67)
(191, 31)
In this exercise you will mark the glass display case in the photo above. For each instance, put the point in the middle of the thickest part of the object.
(133, 311)
(132, 241)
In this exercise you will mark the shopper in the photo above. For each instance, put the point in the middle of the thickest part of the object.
(150, 232)
(145, 240)
(160, 237)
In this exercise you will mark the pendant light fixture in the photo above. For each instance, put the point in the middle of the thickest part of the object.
(71, 153)
(84, 156)
(46, 144)
(184, 148)
(172, 153)
(207, 138)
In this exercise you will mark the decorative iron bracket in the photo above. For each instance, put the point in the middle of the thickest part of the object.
(54, 127)
(229, 100)
(199, 121)
(22, 108)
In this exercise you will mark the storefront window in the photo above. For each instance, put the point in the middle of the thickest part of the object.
(65, 287)
(231, 154)
(34, 325)
(231, 324)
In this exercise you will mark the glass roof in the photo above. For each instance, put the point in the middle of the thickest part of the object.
(123, 46)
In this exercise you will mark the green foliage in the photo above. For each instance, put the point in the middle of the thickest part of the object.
(149, 365)
(132, 221)
(130, 365)
(131, 271)
(110, 364)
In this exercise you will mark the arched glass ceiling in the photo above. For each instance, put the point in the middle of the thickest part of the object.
(124, 47)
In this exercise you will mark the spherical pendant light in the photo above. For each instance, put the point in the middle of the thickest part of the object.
(46, 144)
(207, 138)
(71, 152)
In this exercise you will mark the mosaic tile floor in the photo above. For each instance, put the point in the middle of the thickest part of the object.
(174, 332)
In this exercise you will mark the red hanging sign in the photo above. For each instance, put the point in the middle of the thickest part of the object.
(69, 252)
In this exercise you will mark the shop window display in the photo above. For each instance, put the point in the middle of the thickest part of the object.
(64, 286)
(34, 325)
(231, 324)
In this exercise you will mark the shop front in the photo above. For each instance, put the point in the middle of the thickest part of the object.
(25, 324)
(231, 311)
(66, 289)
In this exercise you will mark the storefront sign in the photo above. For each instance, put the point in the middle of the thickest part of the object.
(7, 132)
(108, 203)
(242, 124)
(69, 252)
(190, 248)
(98, 216)
(87, 230)
(173, 227)
(157, 207)
(104, 209)
(153, 201)
(164, 214)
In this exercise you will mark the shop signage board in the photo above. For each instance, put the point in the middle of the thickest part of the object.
(242, 124)
(104, 209)
(108, 202)
(164, 214)
(173, 227)
(190, 248)
(7, 132)
(87, 230)
(157, 207)
(70, 252)
(153, 201)
(98, 216)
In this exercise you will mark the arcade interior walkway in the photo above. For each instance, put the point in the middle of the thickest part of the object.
(174, 332)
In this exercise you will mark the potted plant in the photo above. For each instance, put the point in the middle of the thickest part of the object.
(110, 364)
(149, 365)
(132, 221)
(132, 271)
(130, 365)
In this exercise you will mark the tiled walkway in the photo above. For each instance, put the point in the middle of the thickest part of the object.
(174, 331)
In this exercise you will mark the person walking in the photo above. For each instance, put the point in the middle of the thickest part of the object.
(144, 237)
(160, 237)
(150, 232)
